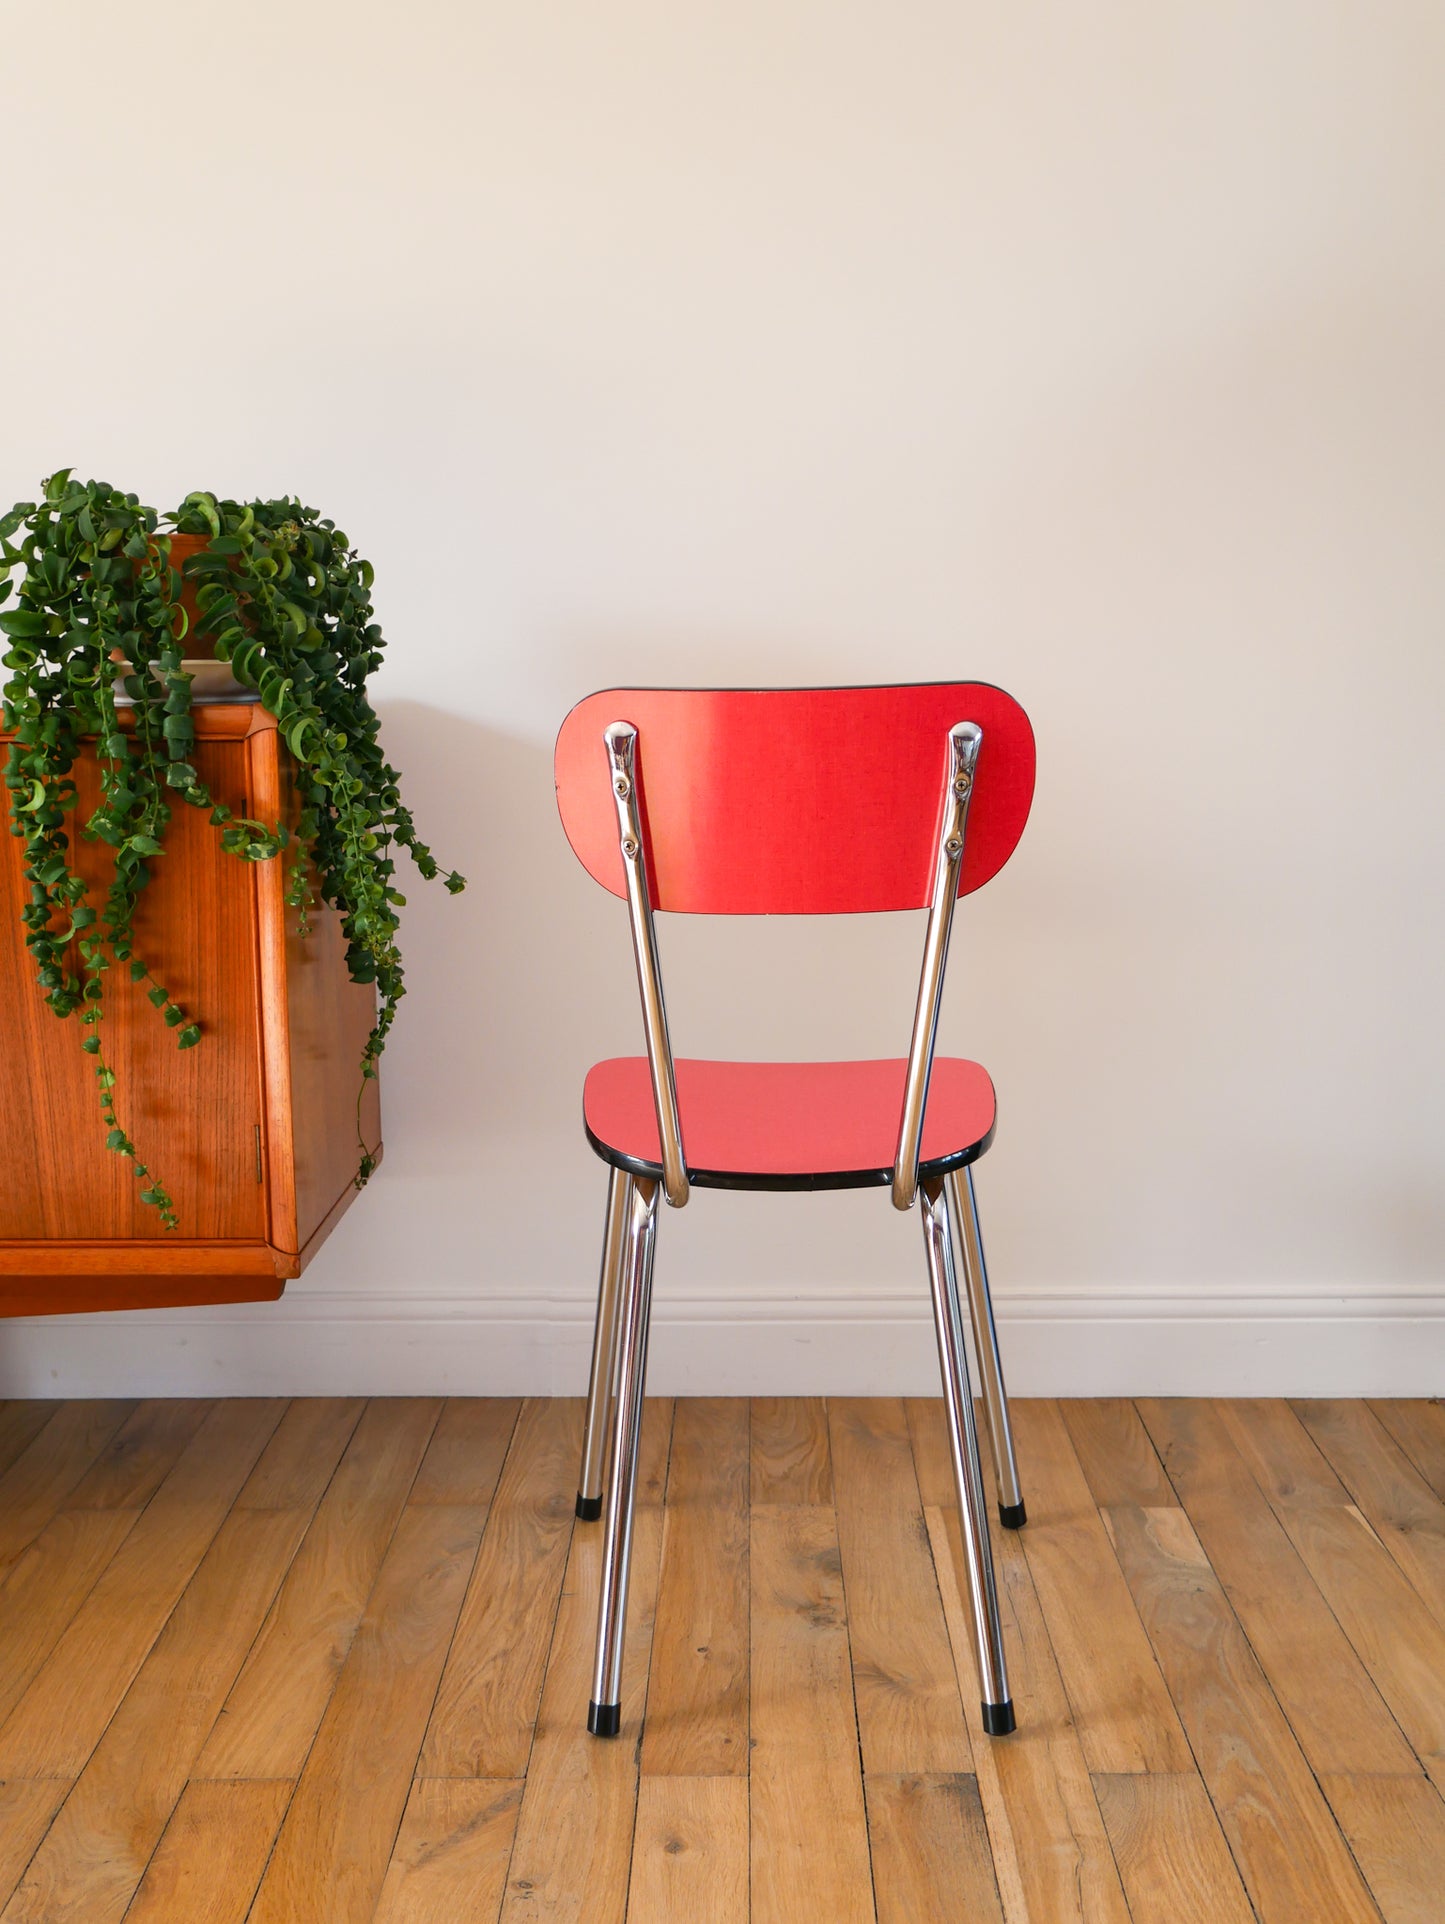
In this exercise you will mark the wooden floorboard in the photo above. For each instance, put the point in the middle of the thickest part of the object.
(930, 1849)
(97, 1850)
(809, 1827)
(690, 1850)
(1394, 1499)
(1051, 1852)
(1418, 1425)
(328, 1662)
(208, 1863)
(699, 1724)
(1291, 1629)
(332, 1854)
(272, 1714)
(485, 1712)
(572, 1859)
(1120, 1702)
(1400, 1641)
(1170, 1850)
(1290, 1853)
(61, 1718)
(451, 1853)
(909, 1711)
(20, 1424)
(43, 1474)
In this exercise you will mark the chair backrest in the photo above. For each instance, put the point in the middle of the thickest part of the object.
(795, 801)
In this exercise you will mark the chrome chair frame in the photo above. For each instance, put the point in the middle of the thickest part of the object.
(949, 1218)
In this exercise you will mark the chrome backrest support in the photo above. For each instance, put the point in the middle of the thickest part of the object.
(621, 740)
(964, 740)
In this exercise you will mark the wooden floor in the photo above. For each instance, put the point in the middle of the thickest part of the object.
(329, 1661)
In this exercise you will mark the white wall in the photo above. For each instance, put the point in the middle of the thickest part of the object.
(1092, 351)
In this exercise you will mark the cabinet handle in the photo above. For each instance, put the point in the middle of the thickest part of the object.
(259, 1176)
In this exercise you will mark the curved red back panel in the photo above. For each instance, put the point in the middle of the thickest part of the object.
(795, 801)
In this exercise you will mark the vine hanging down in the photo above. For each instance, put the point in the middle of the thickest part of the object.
(89, 598)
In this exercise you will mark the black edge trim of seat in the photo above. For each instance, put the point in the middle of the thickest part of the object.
(831, 1179)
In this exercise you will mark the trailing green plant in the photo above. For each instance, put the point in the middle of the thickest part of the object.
(285, 599)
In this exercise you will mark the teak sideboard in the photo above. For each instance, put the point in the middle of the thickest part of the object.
(253, 1131)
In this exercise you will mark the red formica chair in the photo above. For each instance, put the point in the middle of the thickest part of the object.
(793, 801)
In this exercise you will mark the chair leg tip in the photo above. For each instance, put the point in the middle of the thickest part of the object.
(605, 1720)
(998, 1719)
(589, 1508)
(1012, 1516)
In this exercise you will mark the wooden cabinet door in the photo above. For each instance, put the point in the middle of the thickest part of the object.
(193, 1114)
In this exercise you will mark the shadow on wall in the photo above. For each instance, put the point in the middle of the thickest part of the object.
(517, 979)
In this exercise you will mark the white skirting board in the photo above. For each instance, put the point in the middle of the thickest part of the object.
(1292, 1340)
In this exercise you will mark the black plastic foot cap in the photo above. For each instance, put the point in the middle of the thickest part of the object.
(998, 1719)
(1012, 1516)
(605, 1720)
(589, 1508)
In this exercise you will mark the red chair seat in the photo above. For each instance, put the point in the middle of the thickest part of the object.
(788, 1125)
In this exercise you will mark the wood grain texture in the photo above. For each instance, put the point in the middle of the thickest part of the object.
(690, 1851)
(930, 1849)
(282, 1031)
(1396, 1828)
(316, 1022)
(193, 924)
(26, 1810)
(331, 1857)
(157, 1633)
(1418, 1426)
(492, 1685)
(1289, 1852)
(98, 1847)
(140, 1456)
(47, 1586)
(468, 1448)
(809, 1828)
(698, 1725)
(272, 1714)
(1051, 1853)
(1170, 1850)
(58, 1722)
(1291, 1628)
(207, 1865)
(1116, 1453)
(572, 1857)
(1400, 1641)
(790, 1450)
(49, 1468)
(932, 1462)
(134, 1276)
(903, 1678)
(300, 1463)
(1120, 1704)
(20, 1424)
(655, 1451)
(1390, 1493)
(451, 1854)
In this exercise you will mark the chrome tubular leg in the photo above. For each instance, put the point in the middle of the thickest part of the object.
(604, 1714)
(604, 1348)
(998, 1713)
(964, 1205)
